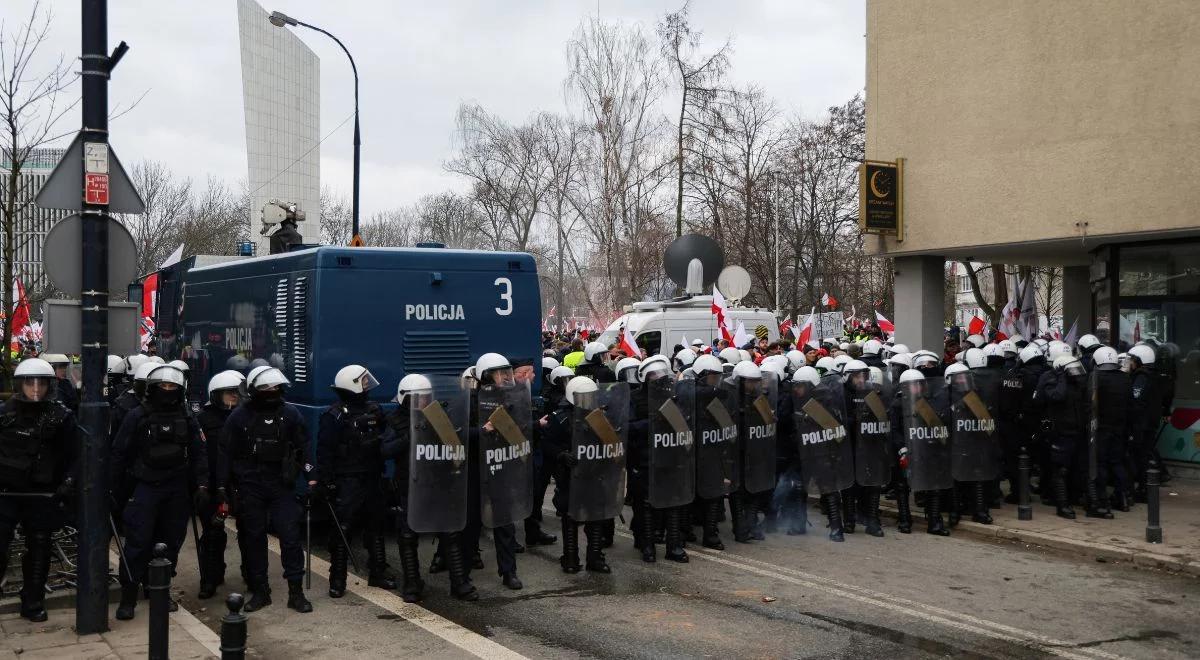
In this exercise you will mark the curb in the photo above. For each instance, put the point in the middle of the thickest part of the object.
(1139, 558)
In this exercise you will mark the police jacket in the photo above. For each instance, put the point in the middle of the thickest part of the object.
(1147, 401)
(348, 440)
(68, 395)
(1032, 406)
(556, 437)
(785, 444)
(211, 419)
(395, 442)
(38, 445)
(263, 442)
(637, 454)
(155, 445)
(1114, 396)
(601, 373)
(122, 406)
(1066, 400)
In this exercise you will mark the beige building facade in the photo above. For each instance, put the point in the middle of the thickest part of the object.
(1046, 133)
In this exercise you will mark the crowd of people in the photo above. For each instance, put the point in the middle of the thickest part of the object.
(708, 434)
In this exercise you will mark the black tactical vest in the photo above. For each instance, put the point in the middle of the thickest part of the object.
(358, 442)
(28, 455)
(164, 439)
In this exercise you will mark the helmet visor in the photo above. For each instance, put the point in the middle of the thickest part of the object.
(501, 376)
(36, 388)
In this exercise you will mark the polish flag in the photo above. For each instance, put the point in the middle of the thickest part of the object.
(583, 334)
(20, 315)
(629, 345)
(976, 326)
(740, 336)
(785, 327)
(804, 337)
(718, 306)
(884, 324)
(829, 301)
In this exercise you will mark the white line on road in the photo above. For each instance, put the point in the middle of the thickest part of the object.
(465, 639)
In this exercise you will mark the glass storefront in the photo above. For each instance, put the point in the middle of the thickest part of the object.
(1157, 297)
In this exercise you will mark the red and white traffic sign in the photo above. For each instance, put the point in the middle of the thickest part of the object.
(95, 189)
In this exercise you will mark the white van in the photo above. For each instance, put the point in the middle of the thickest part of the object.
(659, 326)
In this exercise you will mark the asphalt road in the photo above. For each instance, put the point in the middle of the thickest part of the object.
(911, 596)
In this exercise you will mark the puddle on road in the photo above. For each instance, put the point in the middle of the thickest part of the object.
(924, 644)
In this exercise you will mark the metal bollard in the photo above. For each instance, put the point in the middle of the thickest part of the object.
(1153, 529)
(1024, 508)
(158, 582)
(233, 629)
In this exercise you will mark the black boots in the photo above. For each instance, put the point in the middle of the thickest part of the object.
(511, 581)
(849, 503)
(377, 567)
(296, 599)
(570, 537)
(869, 497)
(712, 513)
(596, 562)
(645, 533)
(410, 566)
(979, 496)
(35, 568)
(260, 596)
(933, 514)
(954, 504)
(129, 597)
(1061, 502)
(534, 535)
(904, 519)
(338, 556)
(673, 535)
(1097, 506)
(461, 586)
(833, 512)
(738, 519)
(212, 560)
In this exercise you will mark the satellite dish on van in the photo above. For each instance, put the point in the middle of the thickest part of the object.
(693, 261)
(734, 282)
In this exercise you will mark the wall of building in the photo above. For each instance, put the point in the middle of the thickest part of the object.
(1022, 120)
(32, 221)
(281, 92)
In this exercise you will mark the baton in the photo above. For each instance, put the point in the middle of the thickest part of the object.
(342, 534)
(120, 547)
(196, 538)
(308, 541)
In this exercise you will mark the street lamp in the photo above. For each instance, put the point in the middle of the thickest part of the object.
(280, 19)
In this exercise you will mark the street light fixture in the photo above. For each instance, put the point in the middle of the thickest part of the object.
(280, 19)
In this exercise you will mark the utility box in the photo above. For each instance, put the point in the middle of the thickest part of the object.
(62, 325)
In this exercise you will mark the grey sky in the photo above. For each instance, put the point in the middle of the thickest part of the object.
(417, 61)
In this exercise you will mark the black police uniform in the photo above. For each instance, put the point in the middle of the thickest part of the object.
(1147, 412)
(1030, 420)
(558, 444)
(160, 450)
(262, 452)
(349, 470)
(789, 502)
(542, 467)
(1068, 417)
(68, 396)
(504, 537)
(637, 469)
(213, 537)
(38, 443)
(1114, 397)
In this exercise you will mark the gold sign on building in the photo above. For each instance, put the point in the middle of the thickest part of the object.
(881, 197)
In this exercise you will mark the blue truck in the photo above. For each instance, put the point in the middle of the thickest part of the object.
(312, 311)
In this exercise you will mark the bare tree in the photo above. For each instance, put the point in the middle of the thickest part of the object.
(32, 103)
(337, 219)
(698, 75)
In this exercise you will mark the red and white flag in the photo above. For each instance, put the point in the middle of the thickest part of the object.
(829, 301)
(785, 327)
(976, 326)
(583, 334)
(629, 345)
(740, 336)
(20, 315)
(884, 324)
(804, 336)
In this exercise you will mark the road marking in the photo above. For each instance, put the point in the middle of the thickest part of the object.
(471, 642)
(897, 604)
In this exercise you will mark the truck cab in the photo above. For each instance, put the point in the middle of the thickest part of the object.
(658, 327)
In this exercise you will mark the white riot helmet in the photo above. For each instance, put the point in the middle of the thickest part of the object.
(40, 375)
(1105, 358)
(840, 362)
(730, 355)
(156, 359)
(594, 353)
(747, 371)
(492, 364)
(1087, 342)
(549, 363)
(165, 373)
(413, 384)
(115, 365)
(256, 371)
(56, 359)
(558, 373)
(1008, 348)
(776, 368)
(875, 376)
(902, 360)
(900, 348)
(746, 357)
(780, 360)
(852, 367)
(180, 365)
(976, 340)
(627, 369)
(1143, 353)
(825, 365)
(578, 388)
(1069, 364)
(1057, 349)
(872, 347)
(1030, 352)
(653, 368)
(354, 378)
(706, 365)
(807, 375)
(684, 358)
(144, 370)
(1041, 344)
(974, 358)
(795, 359)
(266, 379)
(223, 382)
(910, 376)
(925, 359)
(956, 368)
(133, 362)
(1017, 339)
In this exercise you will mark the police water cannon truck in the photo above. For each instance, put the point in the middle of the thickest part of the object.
(313, 310)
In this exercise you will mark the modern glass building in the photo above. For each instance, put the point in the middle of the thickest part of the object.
(32, 221)
(281, 92)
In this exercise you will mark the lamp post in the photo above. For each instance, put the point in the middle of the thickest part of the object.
(280, 19)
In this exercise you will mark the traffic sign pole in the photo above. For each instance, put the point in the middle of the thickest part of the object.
(91, 602)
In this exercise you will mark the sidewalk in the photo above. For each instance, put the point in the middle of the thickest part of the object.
(56, 638)
(1120, 539)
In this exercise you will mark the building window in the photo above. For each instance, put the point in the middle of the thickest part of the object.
(1160, 270)
(964, 284)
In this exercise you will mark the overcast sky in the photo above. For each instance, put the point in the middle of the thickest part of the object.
(417, 61)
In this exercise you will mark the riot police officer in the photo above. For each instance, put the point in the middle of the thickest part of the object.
(132, 397)
(1063, 388)
(347, 476)
(755, 397)
(116, 383)
(224, 394)
(1112, 399)
(923, 439)
(1031, 409)
(871, 432)
(661, 461)
(67, 394)
(262, 452)
(1146, 413)
(38, 440)
(160, 448)
(715, 433)
(595, 365)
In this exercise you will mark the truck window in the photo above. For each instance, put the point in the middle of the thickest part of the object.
(650, 342)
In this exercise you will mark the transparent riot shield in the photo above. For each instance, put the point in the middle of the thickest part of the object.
(437, 473)
(973, 436)
(598, 436)
(715, 421)
(672, 445)
(872, 437)
(822, 442)
(928, 440)
(757, 434)
(505, 416)
(1093, 438)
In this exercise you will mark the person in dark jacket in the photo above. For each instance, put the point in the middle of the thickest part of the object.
(224, 394)
(1063, 388)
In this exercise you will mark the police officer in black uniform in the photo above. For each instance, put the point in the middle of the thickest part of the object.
(263, 451)
(224, 394)
(1147, 412)
(594, 364)
(67, 394)
(38, 440)
(1114, 400)
(1031, 414)
(161, 449)
(348, 475)
(1063, 389)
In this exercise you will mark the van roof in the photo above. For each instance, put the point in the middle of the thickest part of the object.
(330, 256)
